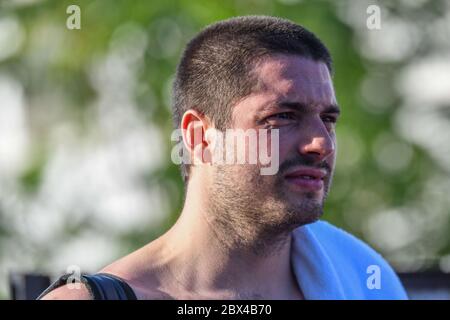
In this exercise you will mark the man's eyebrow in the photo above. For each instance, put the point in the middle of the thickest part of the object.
(333, 108)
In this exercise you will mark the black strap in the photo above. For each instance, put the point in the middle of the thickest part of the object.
(101, 286)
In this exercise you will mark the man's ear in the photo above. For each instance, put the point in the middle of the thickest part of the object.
(194, 126)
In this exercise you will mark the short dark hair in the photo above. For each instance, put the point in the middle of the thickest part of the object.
(214, 72)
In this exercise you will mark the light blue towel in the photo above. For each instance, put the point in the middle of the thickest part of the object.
(329, 263)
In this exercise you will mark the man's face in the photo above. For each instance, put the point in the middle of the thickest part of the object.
(294, 95)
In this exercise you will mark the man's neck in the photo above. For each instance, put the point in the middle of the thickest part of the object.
(199, 262)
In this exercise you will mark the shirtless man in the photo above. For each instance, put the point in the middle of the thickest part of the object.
(233, 239)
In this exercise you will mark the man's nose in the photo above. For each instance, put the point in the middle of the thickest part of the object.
(317, 142)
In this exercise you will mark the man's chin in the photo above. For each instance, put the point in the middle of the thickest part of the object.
(297, 192)
(306, 211)
(305, 198)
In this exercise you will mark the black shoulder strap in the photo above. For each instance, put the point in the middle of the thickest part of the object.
(102, 286)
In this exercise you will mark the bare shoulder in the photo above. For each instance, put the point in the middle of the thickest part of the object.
(67, 293)
(137, 269)
(141, 275)
(143, 286)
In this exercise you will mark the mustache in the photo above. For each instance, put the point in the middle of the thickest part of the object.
(303, 161)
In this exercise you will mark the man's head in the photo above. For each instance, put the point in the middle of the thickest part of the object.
(260, 73)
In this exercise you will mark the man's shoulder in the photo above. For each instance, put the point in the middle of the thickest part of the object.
(68, 292)
(141, 279)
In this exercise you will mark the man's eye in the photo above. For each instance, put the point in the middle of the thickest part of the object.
(282, 116)
(329, 119)
(280, 119)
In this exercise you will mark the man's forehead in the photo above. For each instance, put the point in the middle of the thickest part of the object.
(293, 67)
(295, 78)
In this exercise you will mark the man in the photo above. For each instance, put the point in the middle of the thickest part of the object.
(242, 234)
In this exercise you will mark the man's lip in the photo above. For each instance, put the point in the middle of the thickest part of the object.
(314, 173)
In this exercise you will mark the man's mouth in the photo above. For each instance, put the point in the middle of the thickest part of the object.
(307, 178)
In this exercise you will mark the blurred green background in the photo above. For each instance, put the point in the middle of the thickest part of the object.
(85, 124)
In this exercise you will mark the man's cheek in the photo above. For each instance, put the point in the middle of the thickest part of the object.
(269, 151)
